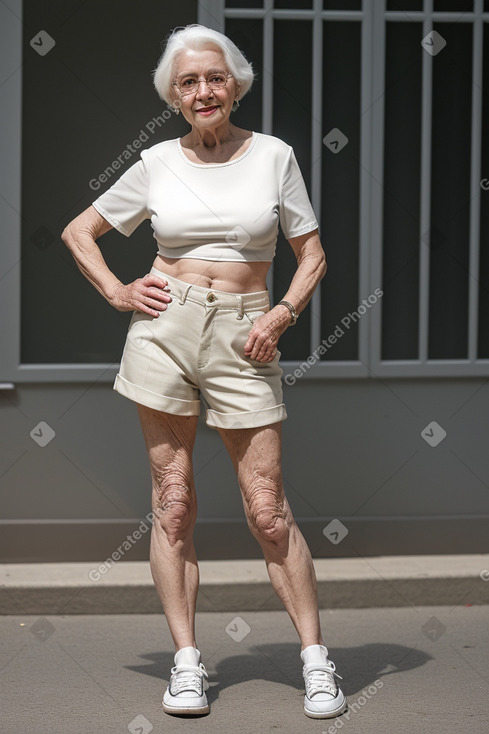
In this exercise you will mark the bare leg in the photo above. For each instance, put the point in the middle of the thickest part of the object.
(257, 458)
(169, 442)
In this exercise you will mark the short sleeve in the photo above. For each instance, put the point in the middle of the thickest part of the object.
(124, 205)
(296, 213)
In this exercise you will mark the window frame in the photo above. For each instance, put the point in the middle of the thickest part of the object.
(213, 13)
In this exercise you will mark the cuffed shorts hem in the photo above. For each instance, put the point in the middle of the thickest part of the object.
(247, 419)
(153, 400)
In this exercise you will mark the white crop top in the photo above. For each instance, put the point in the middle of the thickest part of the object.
(213, 211)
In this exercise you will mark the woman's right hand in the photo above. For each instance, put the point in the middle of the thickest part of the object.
(148, 295)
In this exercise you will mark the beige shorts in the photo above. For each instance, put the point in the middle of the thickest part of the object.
(195, 348)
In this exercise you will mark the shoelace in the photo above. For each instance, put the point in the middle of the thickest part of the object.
(319, 678)
(187, 678)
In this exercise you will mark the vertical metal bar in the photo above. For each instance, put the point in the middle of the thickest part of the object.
(211, 14)
(316, 150)
(364, 279)
(377, 89)
(267, 91)
(267, 102)
(475, 176)
(11, 201)
(425, 193)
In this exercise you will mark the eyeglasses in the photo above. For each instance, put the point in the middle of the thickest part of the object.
(190, 85)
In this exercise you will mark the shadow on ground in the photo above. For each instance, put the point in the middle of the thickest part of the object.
(280, 663)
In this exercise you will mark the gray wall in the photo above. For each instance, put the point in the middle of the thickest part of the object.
(353, 449)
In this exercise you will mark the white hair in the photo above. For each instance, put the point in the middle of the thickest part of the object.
(197, 37)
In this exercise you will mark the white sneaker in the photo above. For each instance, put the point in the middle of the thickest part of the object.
(324, 699)
(188, 681)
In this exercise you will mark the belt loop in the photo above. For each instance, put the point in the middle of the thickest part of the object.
(183, 296)
(240, 308)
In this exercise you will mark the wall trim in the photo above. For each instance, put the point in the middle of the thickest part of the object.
(53, 541)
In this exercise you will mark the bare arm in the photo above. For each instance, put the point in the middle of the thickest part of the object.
(144, 294)
(311, 267)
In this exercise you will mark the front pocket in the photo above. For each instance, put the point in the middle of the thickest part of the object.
(253, 315)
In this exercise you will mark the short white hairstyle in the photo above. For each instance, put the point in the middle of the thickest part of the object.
(197, 37)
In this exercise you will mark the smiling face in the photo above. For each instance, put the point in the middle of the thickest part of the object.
(205, 108)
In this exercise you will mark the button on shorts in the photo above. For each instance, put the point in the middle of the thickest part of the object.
(196, 348)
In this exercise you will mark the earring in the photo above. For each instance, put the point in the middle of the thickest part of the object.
(235, 105)
(176, 110)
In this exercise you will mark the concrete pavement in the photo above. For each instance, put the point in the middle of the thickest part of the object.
(404, 670)
(127, 587)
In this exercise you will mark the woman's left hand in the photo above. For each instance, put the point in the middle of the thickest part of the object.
(265, 333)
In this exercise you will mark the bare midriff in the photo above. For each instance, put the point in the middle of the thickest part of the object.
(232, 277)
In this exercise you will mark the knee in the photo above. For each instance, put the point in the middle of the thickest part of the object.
(266, 510)
(173, 503)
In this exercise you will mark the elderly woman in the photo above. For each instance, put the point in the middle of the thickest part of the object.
(203, 324)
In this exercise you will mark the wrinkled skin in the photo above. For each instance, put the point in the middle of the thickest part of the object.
(256, 457)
